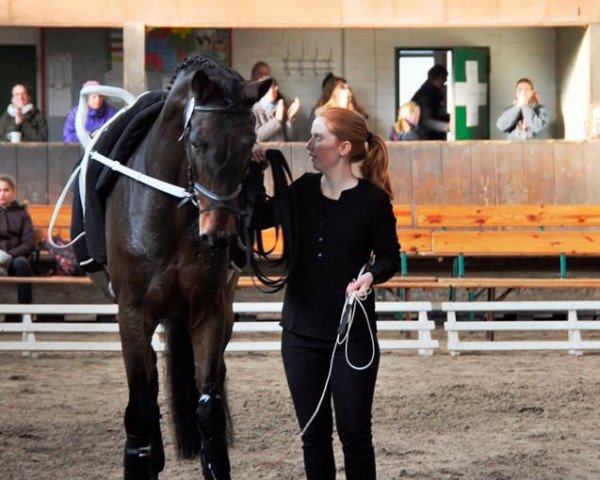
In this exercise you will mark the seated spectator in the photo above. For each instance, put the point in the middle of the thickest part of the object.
(526, 118)
(16, 237)
(98, 113)
(406, 126)
(24, 118)
(435, 121)
(337, 93)
(260, 70)
(273, 122)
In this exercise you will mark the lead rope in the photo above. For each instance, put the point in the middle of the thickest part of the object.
(343, 337)
(57, 208)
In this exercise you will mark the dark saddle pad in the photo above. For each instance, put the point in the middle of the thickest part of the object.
(118, 142)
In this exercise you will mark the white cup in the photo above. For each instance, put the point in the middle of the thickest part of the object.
(14, 137)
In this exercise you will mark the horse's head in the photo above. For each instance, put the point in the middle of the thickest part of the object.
(219, 136)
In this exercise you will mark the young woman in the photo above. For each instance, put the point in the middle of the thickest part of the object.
(526, 118)
(342, 221)
(407, 123)
(336, 93)
(16, 237)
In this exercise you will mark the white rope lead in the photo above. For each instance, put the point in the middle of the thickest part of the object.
(343, 337)
(56, 211)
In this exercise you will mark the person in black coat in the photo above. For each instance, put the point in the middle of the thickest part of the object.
(435, 122)
(16, 237)
(344, 223)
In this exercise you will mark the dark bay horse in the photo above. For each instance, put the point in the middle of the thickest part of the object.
(169, 263)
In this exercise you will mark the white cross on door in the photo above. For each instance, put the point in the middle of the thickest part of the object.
(471, 93)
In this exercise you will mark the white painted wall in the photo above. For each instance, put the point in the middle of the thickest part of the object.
(366, 58)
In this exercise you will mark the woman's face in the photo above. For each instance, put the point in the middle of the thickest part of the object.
(272, 93)
(7, 194)
(524, 92)
(20, 97)
(342, 94)
(95, 101)
(323, 146)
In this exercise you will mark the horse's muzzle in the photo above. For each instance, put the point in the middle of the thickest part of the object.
(217, 241)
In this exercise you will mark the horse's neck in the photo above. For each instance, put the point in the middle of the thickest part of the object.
(163, 152)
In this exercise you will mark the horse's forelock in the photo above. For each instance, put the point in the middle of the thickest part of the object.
(209, 65)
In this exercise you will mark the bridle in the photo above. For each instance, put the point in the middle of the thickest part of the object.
(217, 201)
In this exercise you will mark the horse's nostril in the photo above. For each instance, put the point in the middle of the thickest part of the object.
(215, 241)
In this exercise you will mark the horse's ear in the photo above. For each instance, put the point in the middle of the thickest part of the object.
(201, 86)
(252, 92)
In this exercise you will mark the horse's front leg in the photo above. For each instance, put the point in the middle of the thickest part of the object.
(143, 456)
(210, 332)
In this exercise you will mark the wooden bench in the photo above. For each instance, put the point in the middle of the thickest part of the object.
(441, 230)
(40, 217)
(511, 230)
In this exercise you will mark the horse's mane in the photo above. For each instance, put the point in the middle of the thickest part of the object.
(210, 65)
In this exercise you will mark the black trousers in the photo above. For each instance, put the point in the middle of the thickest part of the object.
(20, 267)
(306, 362)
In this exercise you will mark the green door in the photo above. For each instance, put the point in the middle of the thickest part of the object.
(19, 65)
(470, 93)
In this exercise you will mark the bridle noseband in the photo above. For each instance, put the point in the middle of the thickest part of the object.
(218, 201)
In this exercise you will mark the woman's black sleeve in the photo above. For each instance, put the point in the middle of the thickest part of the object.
(385, 243)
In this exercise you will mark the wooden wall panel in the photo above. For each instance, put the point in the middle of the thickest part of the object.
(538, 172)
(591, 155)
(456, 174)
(401, 173)
(423, 173)
(32, 172)
(569, 173)
(61, 161)
(8, 159)
(483, 173)
(427, 173)
(511, 185)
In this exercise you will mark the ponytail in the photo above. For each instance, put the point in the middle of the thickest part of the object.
(351, 127)
(374, 167)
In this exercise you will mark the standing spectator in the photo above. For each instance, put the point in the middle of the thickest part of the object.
(16, 237)
(435, 121)
(260, 70)
(407, 124)
(526, 118)
(337, 93)
(273, 122)
(23, 117)
(99, 112)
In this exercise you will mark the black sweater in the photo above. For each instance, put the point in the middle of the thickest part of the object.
(335, 238)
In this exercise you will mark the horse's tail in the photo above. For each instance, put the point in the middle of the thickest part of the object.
(183, 391)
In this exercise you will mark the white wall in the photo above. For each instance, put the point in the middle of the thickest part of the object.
(366, 58)
(275, 45)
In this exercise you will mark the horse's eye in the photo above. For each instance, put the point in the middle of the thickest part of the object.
(199, 145)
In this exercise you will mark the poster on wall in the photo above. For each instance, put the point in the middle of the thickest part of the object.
(60, 78)
(167, 47)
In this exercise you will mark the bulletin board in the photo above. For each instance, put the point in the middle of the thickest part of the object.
(167, 47)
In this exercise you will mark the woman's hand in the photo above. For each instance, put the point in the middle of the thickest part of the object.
(280, 111)
(293, 110)
(258, 154)
(362, 285)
